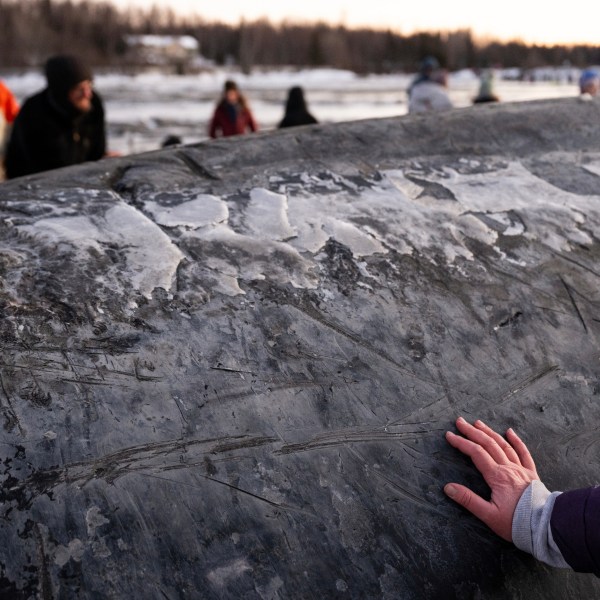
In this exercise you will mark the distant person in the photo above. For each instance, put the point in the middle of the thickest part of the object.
(232, 115)
(296, 111)
(171, 140)
(561, 529)
(486, 89)
(427, 92)
(589, 82)
(9, 108)
(60, 126)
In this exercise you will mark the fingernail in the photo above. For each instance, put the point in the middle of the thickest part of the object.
(478, 422)
(461, 420)
(450, 434)
(450, 490)
(510, 430)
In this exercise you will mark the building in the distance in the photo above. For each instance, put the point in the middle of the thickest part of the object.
(180, 53)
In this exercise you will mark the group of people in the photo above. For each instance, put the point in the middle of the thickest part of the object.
(428, 92)
(64, 124)
(233, 116)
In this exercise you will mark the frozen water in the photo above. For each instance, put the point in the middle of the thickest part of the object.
(204, 210)
(266, 216)
(151, 258)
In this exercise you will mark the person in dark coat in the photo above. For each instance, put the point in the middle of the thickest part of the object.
(561, 529)
(296, 111)
(232, 115)
(61, 125)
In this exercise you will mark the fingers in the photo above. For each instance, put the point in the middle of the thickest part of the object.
(470, 500)
(484, 440)
(480, 457)
(521, 449)
(508, 450)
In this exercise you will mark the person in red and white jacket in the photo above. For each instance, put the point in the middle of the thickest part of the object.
(232, 115)
(561, 529)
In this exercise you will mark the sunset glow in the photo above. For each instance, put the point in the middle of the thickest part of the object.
(531, 21)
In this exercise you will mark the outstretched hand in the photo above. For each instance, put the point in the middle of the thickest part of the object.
(506, 466)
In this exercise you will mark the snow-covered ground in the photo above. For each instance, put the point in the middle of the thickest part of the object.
(142, 110)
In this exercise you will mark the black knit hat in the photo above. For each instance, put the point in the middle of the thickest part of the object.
(64, 73)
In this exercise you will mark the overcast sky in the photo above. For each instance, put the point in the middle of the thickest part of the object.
(531, 20)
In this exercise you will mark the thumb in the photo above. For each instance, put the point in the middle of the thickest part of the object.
(469, 500)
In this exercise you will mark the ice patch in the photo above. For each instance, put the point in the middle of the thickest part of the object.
(266, 216)
(246, 258)
(204, 210)
(593, 168)
(151, 258)
(543, 208)
(508, 226)
(348, 234)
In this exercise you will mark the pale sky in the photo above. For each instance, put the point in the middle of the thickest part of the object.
(538, 21)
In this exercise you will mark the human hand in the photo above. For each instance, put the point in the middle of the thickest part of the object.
(506, 466)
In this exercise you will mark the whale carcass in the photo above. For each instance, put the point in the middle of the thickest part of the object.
(227, 369)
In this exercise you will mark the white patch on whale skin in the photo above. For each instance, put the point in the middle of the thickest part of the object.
(204, 210)
(266, 216)
(151, 257)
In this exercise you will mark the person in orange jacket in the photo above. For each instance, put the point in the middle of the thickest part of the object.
(9, 108)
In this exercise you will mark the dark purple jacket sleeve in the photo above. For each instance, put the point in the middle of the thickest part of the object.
(575, 525)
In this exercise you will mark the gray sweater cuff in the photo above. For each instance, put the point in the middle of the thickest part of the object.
(531, 530)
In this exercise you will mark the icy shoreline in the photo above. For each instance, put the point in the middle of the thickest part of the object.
(142, 110)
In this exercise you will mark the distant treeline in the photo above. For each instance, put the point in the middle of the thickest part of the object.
(35, 29)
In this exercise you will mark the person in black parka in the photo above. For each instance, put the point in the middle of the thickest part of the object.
(296, 112)
(61, 125)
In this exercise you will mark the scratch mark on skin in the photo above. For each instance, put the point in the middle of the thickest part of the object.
(282, 506)
(349, 436)
(575, 262)
(122, 462)
(403, 492)
(359, 400)
(494, 267)
(310, 311)
(401, 420)
(576, 308)
(176, 400)
(590, 446)
(528, 382)
(245, 393)
(560, 312)
(230, 370)
(83, 378)
(88, 381)
(565, 441)
(9, 411)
